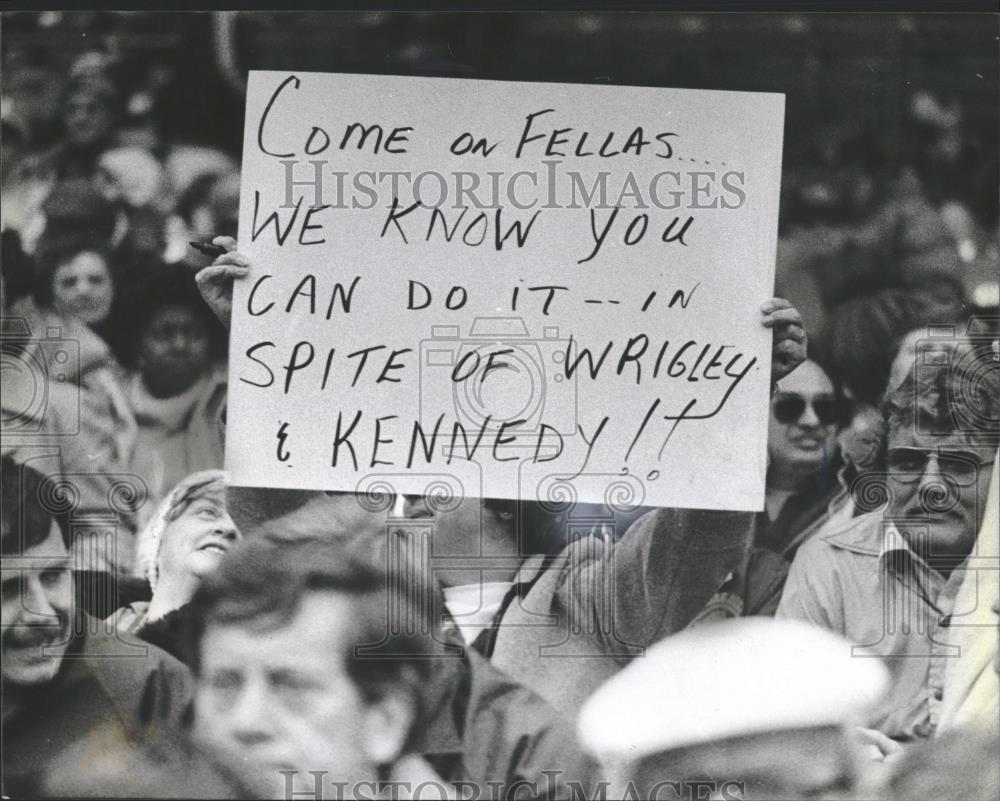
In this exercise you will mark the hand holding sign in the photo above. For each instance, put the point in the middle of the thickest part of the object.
(790, 341)
(215, 282)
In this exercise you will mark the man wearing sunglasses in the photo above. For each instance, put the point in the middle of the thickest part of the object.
(888, 580)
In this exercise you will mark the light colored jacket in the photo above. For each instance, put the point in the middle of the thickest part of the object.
(972, 686)
(864, 583)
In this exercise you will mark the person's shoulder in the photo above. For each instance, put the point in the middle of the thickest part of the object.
(168, 632)
(861, 534)
(504, 712)
(104, 639)
(493, 691)
(767, 564)
(215, 389)
(129, 619)
(858, 536)
(125, 665)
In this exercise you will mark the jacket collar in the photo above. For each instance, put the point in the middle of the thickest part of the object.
(872, 534)
(863, 535)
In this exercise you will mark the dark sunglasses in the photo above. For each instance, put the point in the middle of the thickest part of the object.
(909, 464)
(789, 408)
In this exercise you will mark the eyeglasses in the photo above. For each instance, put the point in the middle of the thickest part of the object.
(789, 407)
(909, 464)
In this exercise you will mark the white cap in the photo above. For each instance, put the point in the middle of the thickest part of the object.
(725, 680)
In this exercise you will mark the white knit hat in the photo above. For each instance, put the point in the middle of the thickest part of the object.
(148, 541)
(726, 680)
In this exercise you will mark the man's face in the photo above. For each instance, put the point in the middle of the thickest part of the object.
(272, 699)
(940, 483)
(804, 413)
(37, 611)
(195, 543)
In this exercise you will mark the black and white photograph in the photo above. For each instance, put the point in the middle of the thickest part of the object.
(500, 403)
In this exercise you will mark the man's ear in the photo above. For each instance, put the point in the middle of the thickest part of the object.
(386, 725)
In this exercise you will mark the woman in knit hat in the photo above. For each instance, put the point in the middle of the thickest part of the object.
(185, 540)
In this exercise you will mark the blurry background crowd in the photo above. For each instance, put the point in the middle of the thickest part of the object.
(883, 111)
(121, 144)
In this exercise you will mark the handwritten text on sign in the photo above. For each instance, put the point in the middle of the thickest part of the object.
(504, 289)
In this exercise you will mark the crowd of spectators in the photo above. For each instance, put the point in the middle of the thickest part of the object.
(168, 635)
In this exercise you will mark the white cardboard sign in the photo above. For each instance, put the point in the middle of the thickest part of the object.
(495, 289)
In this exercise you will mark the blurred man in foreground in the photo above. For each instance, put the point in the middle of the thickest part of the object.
(301, 686)
(485, 732)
